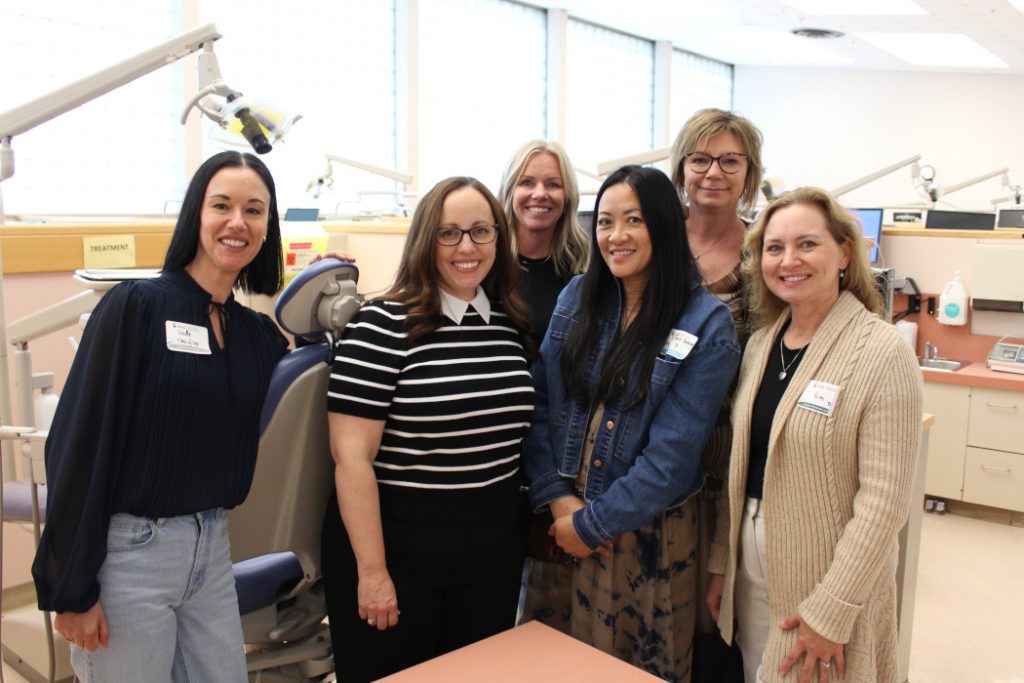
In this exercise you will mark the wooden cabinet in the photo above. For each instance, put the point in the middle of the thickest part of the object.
(950, 404)
(976, 452)
(994, 478)
(994, 462)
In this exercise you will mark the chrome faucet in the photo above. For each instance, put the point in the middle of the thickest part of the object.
(931, 351)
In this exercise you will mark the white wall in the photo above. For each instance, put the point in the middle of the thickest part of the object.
(827, 127)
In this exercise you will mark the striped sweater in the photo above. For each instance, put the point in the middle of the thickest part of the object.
(456, 403)
(836, 491)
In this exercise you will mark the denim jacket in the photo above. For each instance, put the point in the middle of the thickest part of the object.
(645, 459)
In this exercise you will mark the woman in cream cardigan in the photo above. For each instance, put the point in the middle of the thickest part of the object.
(826, 426)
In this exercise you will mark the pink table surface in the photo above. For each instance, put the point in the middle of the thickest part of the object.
(531, 653)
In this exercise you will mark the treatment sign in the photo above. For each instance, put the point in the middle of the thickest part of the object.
(111, 251)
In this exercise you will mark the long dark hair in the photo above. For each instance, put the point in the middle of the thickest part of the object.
(265, 273)
(669, 285)
(417, 281)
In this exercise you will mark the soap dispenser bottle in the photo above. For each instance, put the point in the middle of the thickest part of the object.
(953, 302)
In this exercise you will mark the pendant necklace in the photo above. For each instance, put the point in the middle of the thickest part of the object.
(785, 366)
(726, 235)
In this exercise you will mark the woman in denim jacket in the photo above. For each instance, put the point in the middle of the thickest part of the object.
(633, 371)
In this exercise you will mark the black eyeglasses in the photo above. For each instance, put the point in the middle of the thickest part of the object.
(699, 162)
(450, 236)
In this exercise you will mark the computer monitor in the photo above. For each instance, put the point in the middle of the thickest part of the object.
(1011, 218)
(871, 222)
(960, 220)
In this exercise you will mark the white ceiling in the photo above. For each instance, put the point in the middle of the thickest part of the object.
(756, 32)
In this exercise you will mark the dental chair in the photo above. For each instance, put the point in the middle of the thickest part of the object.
(275, 533)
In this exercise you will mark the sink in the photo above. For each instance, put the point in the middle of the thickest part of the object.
(942, 364)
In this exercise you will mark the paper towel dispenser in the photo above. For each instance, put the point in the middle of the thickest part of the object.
(998, 279)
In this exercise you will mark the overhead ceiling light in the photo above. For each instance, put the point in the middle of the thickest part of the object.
(935, 49)
(856, 7)
(816, 33)
(768, 48)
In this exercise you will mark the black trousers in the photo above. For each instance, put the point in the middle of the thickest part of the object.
(440, 611)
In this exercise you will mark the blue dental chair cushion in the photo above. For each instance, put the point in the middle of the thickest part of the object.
(259, 581)
(289, 369)
(18, 501)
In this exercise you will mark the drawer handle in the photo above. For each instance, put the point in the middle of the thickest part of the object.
(993, 468)
(990, 404)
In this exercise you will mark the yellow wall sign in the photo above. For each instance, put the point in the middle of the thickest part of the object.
(117, 251)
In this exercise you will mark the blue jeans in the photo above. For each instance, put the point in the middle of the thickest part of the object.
(168, 595)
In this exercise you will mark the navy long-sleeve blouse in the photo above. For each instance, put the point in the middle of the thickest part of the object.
(146, 429)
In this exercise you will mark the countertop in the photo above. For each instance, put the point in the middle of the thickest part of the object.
(976, 375)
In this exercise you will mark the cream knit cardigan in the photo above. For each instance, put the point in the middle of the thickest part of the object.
(836, 490)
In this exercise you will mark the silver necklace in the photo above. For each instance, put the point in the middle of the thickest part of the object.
(785, 367)
(718, 243)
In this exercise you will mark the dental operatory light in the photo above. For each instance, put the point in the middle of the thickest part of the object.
(772, 187)
(875, 175)
(650, 156)
(924, 182)
(933, 192)
(1016, 191)
(260, 126)
(326, 181)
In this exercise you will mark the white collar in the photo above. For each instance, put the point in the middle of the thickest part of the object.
(455, 308)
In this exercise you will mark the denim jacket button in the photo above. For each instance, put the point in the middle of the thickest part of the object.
(598, 463)
(609, 425)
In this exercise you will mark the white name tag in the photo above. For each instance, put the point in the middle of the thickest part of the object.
(819, 397)
(187, 338)
(679, 344)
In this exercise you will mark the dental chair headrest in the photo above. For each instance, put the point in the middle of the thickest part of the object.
(321, 298)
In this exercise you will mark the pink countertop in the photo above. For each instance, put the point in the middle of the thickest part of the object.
(531, 652)
(976, 375)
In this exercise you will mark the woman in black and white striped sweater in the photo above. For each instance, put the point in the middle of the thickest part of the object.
(429, 399)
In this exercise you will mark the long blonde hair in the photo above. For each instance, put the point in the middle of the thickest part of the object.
(765, 307)
(570, 246)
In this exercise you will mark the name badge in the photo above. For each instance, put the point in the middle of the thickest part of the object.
(819, 397)
(187, 338)
(679, 344)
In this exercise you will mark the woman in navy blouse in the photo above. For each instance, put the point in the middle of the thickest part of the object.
(155, 436)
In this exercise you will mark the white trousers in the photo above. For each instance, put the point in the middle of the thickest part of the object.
(753, 611)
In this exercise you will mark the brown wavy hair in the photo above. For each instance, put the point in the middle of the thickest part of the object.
(417, 283)
(765, 307)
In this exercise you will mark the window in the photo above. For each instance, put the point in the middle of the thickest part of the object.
(332, 62)
(698, 83)
(483, 84)
(121, 152)
(610, 94)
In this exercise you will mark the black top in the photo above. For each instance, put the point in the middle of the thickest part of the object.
(768, 396)
(146, 430)
(540, 285)
(456, 402)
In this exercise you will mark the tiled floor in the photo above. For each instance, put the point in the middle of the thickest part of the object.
(969, 616)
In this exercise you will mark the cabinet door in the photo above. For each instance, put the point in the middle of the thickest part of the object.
(997, 420)
(949, 403)
(994, 478)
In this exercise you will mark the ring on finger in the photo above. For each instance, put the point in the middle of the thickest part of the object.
(825, 664)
